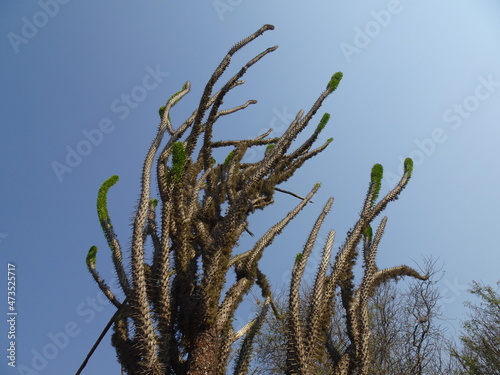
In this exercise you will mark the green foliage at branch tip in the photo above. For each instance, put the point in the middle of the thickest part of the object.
(368, 233)
(317, 185)
(102, 202)
(153, 202)
(269, 148)
(323, 122)
(178, 161)
(228, 159)
(177, 93)
(376, 181)
(408, 166)
(161, 111)
(334, 81)
(329, 140)
(91, 256)
(298, 257)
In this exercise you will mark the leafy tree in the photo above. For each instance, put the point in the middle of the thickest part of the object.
(184, 279)
(480, 351)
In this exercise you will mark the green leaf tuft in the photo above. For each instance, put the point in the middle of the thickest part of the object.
(323, 122)
(102, 202)
(376, 181)
(334, 81)
(408, 166)
(91, 256)
(178, 161)
(228, 158)
(298, 257)
(177, 93)
(368, 233)
(269, 148)
(153, 202)
(161, 111)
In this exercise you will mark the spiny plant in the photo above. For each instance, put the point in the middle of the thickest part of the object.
(308, 327)
(180, 297)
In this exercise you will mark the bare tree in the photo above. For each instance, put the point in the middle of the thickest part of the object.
(409, 330)
(180, 295)
(408, 334)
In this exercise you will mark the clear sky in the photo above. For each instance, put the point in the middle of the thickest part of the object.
(421, 79)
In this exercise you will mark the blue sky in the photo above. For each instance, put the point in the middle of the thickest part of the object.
(421, 79)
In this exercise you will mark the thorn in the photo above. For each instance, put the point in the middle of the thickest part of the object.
(248, 231)
(290, 193)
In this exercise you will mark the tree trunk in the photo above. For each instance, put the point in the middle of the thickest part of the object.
(203, 359)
